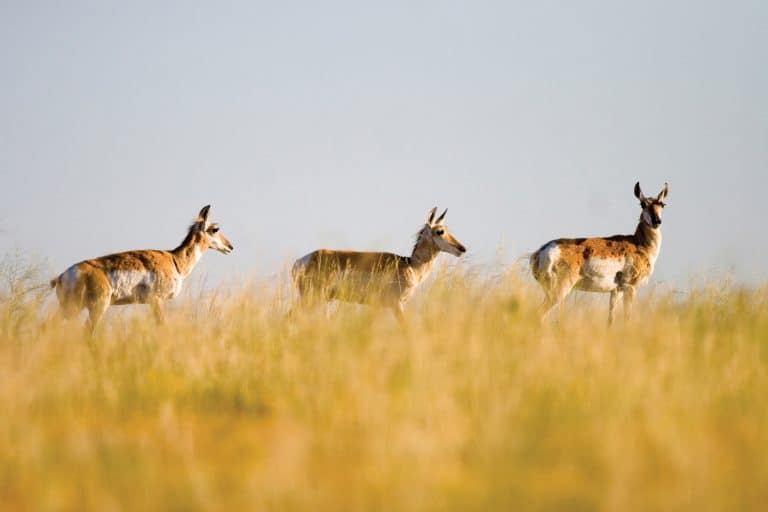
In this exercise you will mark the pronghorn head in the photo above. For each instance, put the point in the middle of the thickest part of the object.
(652, 206)
(436, 232)
(210, 233)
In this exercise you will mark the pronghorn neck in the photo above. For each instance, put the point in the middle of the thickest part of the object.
(648, 237)
(188, 253)
(423, 256)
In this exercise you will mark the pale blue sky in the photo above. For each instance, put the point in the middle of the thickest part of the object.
(340, 124)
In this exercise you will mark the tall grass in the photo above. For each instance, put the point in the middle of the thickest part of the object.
(476, 407)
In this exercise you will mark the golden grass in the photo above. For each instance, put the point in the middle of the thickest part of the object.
(233, 406)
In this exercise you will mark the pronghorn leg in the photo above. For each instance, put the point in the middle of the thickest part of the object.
(70, 304)
(157, 311)
(96, 297)
(307, 303)
(96, 310)
(397, 309)
(612, 305)
(55, 317)
(297, 308)
(549, 300)
(546, 308)
(555, 296)
(629, 298)
(61, 317)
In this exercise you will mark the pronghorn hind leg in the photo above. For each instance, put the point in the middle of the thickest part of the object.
(97, 298)
(546, 308)
(96, 311)
(629, 299)
(549, 300)
(55, 317)
(70, 305)
(297, 307)
(555, 296)
(307, 303)
(397, 309)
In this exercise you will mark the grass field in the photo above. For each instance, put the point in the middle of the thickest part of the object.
(230, 405)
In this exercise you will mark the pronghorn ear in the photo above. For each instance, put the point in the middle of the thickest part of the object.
(431, 215)
(638, 192)
(203, 215)
(663, 194)
(441, 217)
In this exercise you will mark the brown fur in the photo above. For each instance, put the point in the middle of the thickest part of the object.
(153, 275)
(633, 256)
(372, 277)
(329, 274)
(576, 251)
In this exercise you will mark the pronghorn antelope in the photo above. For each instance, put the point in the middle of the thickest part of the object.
(379, 278)
(136, 277)
(614, 265)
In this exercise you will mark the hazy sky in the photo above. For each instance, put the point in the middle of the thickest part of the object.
(339, 124)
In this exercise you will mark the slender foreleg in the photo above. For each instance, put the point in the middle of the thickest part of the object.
(157, 310)
(615, 294)
(629, 299)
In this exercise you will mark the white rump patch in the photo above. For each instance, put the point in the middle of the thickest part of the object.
(599, 274)
(548, 256)
(69, 279)
(127, 283)
(302, 262)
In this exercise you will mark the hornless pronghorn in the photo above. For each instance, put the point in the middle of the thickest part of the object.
(379, 278)
(136, 277)
(615, 264)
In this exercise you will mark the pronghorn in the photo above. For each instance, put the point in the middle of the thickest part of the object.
(615, 264)
(379, 278)
(136, 277)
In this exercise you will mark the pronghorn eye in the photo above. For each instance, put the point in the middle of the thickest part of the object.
(214, 229)
(439, 232)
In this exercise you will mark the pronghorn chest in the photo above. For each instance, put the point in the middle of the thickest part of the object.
(410, 280)
(652, 255)
(175, 288)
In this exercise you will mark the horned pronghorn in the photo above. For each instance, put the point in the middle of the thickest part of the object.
(614, 265)
(136, 277)
(374, 277)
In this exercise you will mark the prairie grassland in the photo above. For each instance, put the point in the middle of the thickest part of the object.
(231, 405)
